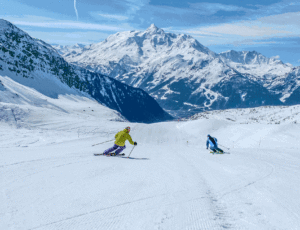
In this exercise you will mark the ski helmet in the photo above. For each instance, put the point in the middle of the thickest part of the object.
(208, 135)
(128, 128)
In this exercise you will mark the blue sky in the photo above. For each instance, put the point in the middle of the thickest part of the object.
(267, 26)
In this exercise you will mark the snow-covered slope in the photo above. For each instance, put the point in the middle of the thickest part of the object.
(38, 65)
(258, 115)
(23, 107)
(49, 178)
(181, 74)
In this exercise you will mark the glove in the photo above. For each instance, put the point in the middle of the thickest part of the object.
(135, 143)
(206, 147)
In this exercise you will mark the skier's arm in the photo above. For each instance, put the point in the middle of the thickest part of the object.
(207, 143)
(117, 135)
(130, 140)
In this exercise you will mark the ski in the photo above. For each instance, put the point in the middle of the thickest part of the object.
(219, 152)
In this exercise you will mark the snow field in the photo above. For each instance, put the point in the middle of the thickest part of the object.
(50, 179)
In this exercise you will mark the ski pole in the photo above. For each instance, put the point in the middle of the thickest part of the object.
(131, 151)
(103, 142)
(224, 146)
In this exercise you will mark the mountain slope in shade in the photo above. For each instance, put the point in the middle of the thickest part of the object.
(179, 72)
(292, 82)
(36, 64)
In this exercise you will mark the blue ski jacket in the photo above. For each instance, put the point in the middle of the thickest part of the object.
(209, 142)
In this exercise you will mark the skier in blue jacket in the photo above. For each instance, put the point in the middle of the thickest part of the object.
(213, 142)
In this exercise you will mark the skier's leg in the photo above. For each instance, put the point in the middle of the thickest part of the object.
(220, 150)
(107, 151)
(120, 149)
(213, 149)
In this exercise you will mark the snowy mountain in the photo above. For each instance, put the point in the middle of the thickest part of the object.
(181, 74)
(269, 72)
(252, 58)
(35, 64)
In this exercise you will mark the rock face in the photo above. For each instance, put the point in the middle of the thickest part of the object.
(36, 64)
(181, 74)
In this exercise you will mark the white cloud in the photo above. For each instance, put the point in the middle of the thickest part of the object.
(212, 8)
(68, 37)
(59, 24)
(250, 42)
(203, 33)
(245, 30)
(250, 31)
(276, 57)
(285, 20)
(113, 16)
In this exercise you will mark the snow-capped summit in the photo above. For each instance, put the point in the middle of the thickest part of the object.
(153, 29)
(184, 76)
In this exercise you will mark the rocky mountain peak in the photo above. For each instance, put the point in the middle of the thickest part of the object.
(153, 29)
(249, 57)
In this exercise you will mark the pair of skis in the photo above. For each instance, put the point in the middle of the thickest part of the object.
(109, 155)
(218, 152)
(113, 154)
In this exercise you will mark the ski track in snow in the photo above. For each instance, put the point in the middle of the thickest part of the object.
(170, 180)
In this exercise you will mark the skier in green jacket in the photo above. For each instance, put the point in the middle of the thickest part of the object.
(119, 145)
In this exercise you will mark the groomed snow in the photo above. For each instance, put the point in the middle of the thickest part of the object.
(50, 179)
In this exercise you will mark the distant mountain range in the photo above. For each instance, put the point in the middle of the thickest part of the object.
(36, 64)
(184, 76)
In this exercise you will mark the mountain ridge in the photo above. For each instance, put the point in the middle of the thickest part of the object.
(33, 62)
(178, 71)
